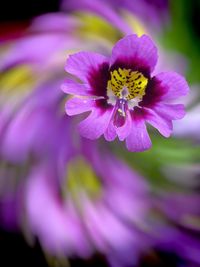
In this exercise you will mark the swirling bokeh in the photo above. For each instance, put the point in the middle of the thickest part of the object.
(69, 201)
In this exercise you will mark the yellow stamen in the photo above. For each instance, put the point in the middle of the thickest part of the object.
(127, 84)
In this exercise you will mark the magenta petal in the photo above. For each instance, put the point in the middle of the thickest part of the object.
(74, 88)
(56, 225)
(163, 125)
(77, 105)
(82, 63)
(171, 112)
(172, 85)
(95, 124)
(138, 140)
(135, 50)
(125, 130)
(110, 133)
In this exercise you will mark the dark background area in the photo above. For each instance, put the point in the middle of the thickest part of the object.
(14, 251)
(25, 10)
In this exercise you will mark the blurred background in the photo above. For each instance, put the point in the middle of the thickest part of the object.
(66, 201)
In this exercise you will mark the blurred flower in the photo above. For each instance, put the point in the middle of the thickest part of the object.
(77, 209)
(31, 101)
(122, 95)
(154, 13)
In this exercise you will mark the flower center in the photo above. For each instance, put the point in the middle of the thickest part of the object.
(125, 90)
(127, 84)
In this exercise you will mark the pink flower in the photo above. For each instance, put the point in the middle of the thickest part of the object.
(122, 95)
